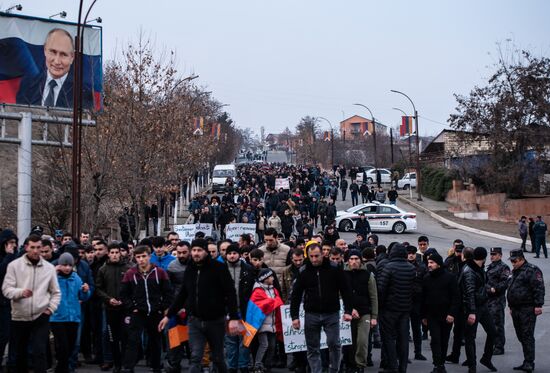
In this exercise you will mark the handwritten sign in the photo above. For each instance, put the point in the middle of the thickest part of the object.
(282, 183)
(186, 232)
(295, 340)
(234, 231)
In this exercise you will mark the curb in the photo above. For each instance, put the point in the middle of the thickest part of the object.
(460, 226)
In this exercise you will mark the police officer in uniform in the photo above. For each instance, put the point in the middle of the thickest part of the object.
(498, 275)
(525, 299)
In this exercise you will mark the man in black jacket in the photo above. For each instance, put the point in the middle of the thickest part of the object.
(320, 284)
(525, 299)
(416, 320)
(395, 292)
(207, 294)
(454, 265)
(362, 225)
(474, 302)
(354, 190)
(344, 188)
(440, 305)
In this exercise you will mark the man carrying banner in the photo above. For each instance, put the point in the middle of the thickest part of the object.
(320, 284)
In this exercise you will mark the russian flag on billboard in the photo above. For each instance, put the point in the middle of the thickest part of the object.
(259, 306)
(36, 52)
(406, 127)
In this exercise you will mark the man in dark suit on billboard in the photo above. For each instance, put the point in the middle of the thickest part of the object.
(54, 86)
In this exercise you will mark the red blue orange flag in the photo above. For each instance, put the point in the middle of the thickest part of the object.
(259, 306)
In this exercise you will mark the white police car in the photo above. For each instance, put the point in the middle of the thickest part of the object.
(381, 217)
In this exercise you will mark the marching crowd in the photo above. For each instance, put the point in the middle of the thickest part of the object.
(115, 303)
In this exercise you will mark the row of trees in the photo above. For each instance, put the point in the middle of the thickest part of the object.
(144, 146)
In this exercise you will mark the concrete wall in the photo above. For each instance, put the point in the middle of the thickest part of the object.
(497, 206)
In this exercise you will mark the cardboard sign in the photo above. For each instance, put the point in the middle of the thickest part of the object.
(186, 232)
(295, 340)
(234, 231)
(282, 183)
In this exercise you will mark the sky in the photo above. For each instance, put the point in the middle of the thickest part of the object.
(275, 62)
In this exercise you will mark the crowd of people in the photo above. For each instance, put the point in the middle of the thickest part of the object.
(113, 304)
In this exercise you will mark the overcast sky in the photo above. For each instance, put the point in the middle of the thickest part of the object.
(277, 61)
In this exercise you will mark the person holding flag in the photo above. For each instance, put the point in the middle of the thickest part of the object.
(263, 319)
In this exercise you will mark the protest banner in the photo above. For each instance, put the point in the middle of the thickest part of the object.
(186, 232)
(234, 231)
(295, 340)
(282, 183)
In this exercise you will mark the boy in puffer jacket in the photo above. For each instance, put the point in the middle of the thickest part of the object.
(65, 320)
(263, 292)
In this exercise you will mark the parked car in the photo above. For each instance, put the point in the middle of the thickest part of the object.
(371, 176)
(407, 181)
(381, 217)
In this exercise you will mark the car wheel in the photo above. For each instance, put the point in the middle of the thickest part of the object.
(399, 227)
(369, 180)
(406, 187)
(346, 225)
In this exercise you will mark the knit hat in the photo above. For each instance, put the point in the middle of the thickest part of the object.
(480, 253)
(436, 258)
(233, 248)
(354, 252)
(65, 259)
(411, 249)
(264, 274)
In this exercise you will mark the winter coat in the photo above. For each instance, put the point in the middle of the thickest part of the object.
(176, 272)
(274, 222)
(5, 259)
(162, 261)
(207, 292)
(363, 227)
(263, 293)
(146, 292)
(41, 279)
(275, 258)
(472, 287)
(396, 283)
(526, 287)
(440, 295)
(246, 277)
(109, 281)
(71, 296)
(321, 288)
(364, 296)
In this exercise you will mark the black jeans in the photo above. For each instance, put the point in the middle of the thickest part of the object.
(115, 320)
(36, 333)
(5, 319)
(354, 199)
(458, 335)
(416, 327)
(138, 322)
(64, 334)
(484, 318)
(440, 331)
(213, 332)
(395, 326)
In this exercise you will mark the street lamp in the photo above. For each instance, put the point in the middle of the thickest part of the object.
(373, 134)
(331, 141)
(18, 7)
(418, 177)
(62, 14)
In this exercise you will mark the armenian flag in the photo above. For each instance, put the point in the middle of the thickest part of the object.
(406, 127)
(259, 306)
(178, 331)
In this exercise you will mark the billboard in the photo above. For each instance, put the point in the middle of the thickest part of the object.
(36, 63)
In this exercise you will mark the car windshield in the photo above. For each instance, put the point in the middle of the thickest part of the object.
(223, 173)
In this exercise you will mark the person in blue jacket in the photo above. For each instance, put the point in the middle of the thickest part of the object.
(161, 257)
(65, 320)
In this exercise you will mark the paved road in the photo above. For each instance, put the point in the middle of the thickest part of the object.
(441, 237)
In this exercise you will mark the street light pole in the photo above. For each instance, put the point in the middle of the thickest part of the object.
(373, 135)
(410, 156)
(418, 176)
(331, 141)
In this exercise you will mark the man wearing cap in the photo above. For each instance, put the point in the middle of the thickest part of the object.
(320, 285)
(238, 356)
(474, 302)
(454, 264)
(208, 295)
(416, 320)
(539, 229)
(498, 274)
(525, 299)
(440, 306)
(364, 302)
(362, 225)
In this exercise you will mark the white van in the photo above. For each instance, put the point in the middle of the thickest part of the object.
(220, 174)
